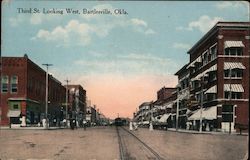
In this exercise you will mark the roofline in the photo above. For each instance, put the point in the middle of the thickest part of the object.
(215, 28)
(180, 70)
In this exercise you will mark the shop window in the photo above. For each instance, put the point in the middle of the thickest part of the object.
(235, 95)
(4, 85)
(14, 82)
(234, 51)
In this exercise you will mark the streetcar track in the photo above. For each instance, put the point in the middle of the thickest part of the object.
(121, 148)
(125, 156)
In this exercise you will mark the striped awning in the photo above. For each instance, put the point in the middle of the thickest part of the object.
(213, 68)
(212, 90)
(164, 117)
(13, 113)
(208, 113)
(170, 105)
(228, 44)
(195, 61)
(233, 65)
(234, 88)
(199, 76)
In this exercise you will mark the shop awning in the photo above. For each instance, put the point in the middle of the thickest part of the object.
(212, 90)
(164, 117)
(234, 88)
(13, 113)
(213, 68)
(145, 122)
(199, 76)
(228, 44)
(170, 105)
(233, 65)
(195, 61)
(209, 113)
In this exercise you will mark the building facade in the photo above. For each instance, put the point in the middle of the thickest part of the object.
(23, 87)
(77, 102)
(183, 96)
(219, 74)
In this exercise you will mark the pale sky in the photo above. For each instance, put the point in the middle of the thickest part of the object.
(121, 60)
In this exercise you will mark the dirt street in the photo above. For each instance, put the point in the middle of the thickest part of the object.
(101, 143)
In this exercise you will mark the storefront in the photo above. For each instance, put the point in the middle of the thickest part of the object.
(23, 111)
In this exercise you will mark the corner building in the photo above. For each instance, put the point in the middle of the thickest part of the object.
(23, 87)
(219, 75)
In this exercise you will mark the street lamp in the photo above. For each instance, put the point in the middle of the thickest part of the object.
(46, 94)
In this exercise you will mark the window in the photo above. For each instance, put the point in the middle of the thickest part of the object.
(205, 58)
(211, 97)
(235, 95)
(213, 52)
(4, 85)
(14, 82)
(212, 77)
(235, 73)
(15, 106)
(234, 51)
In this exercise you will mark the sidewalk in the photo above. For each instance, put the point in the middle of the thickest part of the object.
(30, 128)
(205, 132)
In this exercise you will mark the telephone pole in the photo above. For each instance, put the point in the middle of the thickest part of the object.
(66, 104)
(46, 94)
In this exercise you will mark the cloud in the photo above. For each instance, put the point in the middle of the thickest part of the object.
(81, 32)
(73, 33)
(15, 21)
(204, 23)
(138, 22)
(36, 19)
(228, 4)
(181, 46)
(129, 64)
(149, 31)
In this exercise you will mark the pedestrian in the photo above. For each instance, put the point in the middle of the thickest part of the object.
(72, 124)
(84, 124)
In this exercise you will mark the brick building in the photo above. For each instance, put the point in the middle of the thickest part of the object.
(23, 87)
(183, 96)
(77, 101)
(219, 74)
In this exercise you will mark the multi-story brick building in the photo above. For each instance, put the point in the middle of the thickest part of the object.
(182, 95)
(23, 86)
(219, 74)
(77, 102)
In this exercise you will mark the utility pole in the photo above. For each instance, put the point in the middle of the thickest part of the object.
(202, 81)
(230, 97)
(66, 104)
(46, 96)
(177, 110)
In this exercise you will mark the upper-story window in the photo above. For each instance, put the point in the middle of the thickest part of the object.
(213, 52)
(14, 83)
(235, 73)
(4, 85)
(234, 95)
(234, 51)
(205, 58)
(233, 48)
